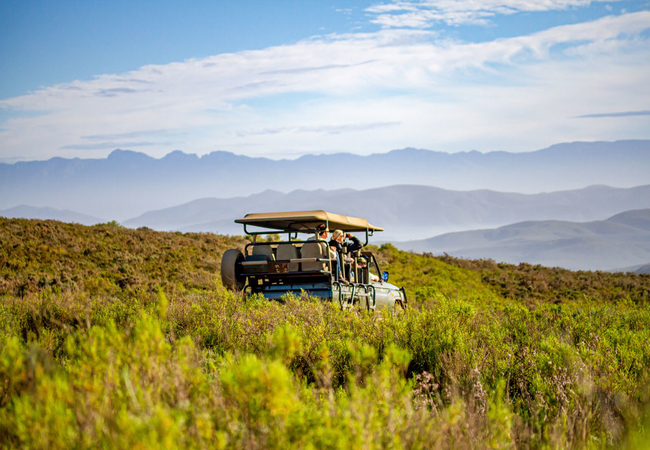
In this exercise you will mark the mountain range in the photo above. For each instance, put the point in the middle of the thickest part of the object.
(405, 211)
(621, 240)
(127, 183)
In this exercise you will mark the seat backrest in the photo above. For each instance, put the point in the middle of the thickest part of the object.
(289, 251)
(264, 250)
(315, 249)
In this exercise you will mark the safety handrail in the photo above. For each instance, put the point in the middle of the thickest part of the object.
(374, 296)
(351, 301)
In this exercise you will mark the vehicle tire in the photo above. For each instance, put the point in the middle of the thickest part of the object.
(399, 308)
(230, 274)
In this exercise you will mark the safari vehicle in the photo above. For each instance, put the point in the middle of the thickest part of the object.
(301, 262)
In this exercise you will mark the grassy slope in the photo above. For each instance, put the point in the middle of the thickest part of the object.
(105, 259)
(490, 354)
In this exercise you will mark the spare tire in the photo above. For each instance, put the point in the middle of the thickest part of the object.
(230, 272)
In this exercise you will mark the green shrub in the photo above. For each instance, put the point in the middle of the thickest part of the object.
(169, 358)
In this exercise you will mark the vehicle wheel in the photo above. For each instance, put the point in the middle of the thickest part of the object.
(399, 308)
(230, 275)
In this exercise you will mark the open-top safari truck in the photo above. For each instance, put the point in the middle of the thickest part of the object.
(302, 263)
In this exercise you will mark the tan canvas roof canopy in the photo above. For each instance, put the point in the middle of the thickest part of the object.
(306, 221)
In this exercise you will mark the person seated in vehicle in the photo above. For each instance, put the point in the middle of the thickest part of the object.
(322, 233)
(352, 245)
(362, 263)
(350, 253)
(336, 245)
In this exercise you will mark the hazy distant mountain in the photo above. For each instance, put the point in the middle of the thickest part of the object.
(641, 269)
(406, 212)
(645, 269)
(620, 241)
(128, 183)
(30, 212)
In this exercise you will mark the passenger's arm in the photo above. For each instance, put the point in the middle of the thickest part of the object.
(354, 245)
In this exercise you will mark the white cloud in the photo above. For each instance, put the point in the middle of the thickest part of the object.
(425, 13)
(359, 92)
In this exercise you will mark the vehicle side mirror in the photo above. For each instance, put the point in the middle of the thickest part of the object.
(384, 276)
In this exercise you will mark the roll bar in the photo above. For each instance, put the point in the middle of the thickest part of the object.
(293, 235)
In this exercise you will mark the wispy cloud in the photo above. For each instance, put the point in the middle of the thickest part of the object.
(615, 114)
(314, 69)
(110, 145)
(365, 92)
(135, 80)
(262, 131)
(133, 134)
(113, 92)
(319, 129)
(425, 13)
(348, 128)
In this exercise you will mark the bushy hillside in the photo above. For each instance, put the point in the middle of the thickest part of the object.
(535, 283)
(106, 259)
(121, 338)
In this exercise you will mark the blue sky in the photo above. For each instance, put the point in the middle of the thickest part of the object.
(286, 78)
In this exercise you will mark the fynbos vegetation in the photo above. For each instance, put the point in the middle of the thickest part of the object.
(118, 338)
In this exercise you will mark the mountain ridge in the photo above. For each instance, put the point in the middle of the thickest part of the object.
(622, 240)
(404, 210)
(581, 146)
(129, 183)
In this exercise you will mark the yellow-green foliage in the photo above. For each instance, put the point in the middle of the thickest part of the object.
(428, 278)
(530, 283)
(155, 364)
(39, 256)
